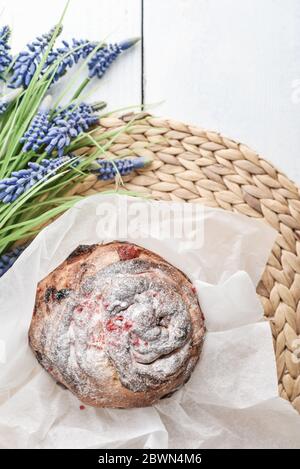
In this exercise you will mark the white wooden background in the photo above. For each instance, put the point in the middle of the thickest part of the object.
(226, 65)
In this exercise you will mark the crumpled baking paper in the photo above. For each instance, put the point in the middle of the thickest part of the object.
(231, 400)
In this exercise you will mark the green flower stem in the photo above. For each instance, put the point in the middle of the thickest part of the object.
(4, 146)
(32, 212)
(26, 230)
(80, 88)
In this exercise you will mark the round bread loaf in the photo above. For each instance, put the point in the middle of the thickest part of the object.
(117, 325)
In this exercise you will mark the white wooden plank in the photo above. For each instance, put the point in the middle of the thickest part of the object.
(230, 65)
(94, 20)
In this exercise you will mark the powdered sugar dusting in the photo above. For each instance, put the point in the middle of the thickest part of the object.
(130, 318)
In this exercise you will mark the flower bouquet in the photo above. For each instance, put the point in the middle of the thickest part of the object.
(43, 144)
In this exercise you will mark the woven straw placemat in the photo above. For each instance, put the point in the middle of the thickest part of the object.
(194, 165)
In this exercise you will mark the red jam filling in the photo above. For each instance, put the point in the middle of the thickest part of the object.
(128, 252)
(111, 326)
(128, 325)
(135, 340)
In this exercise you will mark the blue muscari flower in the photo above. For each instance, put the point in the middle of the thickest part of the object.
(109, 169)
(105, 56)
(20, 181)
(9, 258)
(39, 128)
(5, 56)
(27, 62)
(69, 55)
(82, 48)
(56, 133)
(82, 115)
(68, 124)
(59, 136)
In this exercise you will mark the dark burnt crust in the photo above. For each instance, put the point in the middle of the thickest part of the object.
(49, 294)
(81, 249)
(52, 294)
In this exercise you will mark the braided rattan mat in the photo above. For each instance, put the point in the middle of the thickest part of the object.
(193, 165)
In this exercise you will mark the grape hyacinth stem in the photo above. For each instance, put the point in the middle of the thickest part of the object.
(57, 132)
(108, 170)
(26, 62)
(105, 56)
(102, 60)
(39, 127)
(21, 181)
(68, 124)
(68, 55)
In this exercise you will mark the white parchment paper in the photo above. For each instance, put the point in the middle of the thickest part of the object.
(231, 400)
